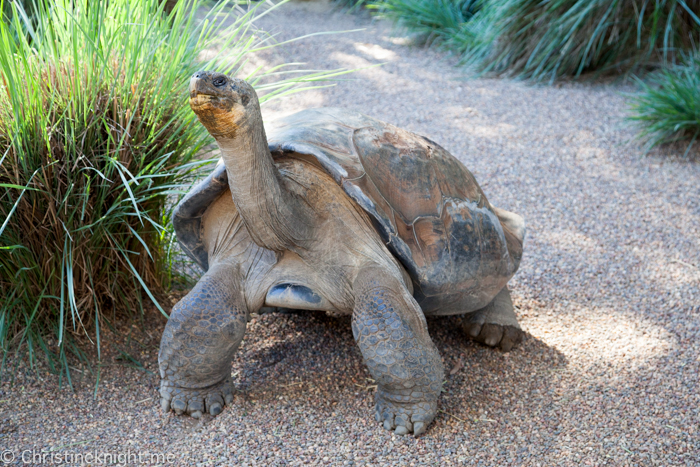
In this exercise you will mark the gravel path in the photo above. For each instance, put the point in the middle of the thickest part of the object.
(608, 292)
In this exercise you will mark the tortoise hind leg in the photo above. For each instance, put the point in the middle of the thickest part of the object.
(495, 325)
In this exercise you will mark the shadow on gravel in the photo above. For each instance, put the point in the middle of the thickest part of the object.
(287, 353)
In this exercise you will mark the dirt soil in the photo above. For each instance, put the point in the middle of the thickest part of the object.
(608, 293)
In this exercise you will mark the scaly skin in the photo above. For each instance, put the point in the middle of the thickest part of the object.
(203, 333)
(495, 325)
(393, 337)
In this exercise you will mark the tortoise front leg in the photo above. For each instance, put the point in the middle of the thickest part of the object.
(392, 334)
(203, 333)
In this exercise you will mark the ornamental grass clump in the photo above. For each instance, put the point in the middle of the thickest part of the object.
(96, 142)
(668, 108)
(540, 40)
(433, 21)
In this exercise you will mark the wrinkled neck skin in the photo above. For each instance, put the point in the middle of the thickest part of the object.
(276, 219)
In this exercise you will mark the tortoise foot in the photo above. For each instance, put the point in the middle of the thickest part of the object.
(495, 325)
(404, 414)
(494, 335)
(195, 402)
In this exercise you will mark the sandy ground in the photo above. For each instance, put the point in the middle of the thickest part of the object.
(608, 293)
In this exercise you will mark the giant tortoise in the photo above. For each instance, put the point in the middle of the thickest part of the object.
(340, 212)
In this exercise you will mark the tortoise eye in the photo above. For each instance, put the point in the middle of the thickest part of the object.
(220, 81)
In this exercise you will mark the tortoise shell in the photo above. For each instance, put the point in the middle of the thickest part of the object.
(459, 250)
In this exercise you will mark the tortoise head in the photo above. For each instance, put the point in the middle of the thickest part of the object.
(222, 104)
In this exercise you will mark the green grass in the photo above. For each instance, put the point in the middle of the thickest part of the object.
(540, 40)
(668, 108)
(545, 40)
(354, 6)
(96, 140)
(434, 21)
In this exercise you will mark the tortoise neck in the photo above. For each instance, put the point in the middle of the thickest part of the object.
(270, 212)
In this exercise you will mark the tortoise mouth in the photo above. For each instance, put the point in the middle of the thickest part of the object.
(200, 101)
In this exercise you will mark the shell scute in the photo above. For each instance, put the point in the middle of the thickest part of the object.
(392, 157)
